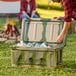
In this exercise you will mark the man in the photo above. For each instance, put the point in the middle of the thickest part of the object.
(27, 9)
(70, 12)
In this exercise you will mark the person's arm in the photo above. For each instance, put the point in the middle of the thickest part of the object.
(68, 15)
(22, 8)
(33, 8)
(23, 12)
(64, 31)
(67, 19)
(68, 10)
(22, 5)
(33, 13)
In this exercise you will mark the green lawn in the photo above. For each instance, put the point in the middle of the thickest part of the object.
(68, 68)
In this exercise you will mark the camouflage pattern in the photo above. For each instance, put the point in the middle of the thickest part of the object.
(39, 30)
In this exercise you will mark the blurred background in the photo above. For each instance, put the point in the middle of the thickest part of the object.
(45, 9)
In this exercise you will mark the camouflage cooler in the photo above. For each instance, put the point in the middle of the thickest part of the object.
(39, 31)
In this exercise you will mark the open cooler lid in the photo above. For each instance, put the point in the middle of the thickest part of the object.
(40, 30)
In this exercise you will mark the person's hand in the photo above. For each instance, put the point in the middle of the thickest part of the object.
(60, 38)
(33, 13)
(59, 18)
(26, 14)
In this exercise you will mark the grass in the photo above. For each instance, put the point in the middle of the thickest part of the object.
(69, 55)
(68, 68)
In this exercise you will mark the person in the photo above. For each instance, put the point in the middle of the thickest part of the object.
(27, 9)
(70, 12)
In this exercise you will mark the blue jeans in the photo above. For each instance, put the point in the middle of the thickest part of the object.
(24, 16)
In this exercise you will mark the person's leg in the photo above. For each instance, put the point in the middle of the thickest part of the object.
(64, 31)
(23, 16)
(35, 16)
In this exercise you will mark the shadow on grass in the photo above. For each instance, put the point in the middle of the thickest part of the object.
(70, 64)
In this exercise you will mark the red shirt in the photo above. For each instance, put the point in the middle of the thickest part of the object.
(24, 5)
(70, 10)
